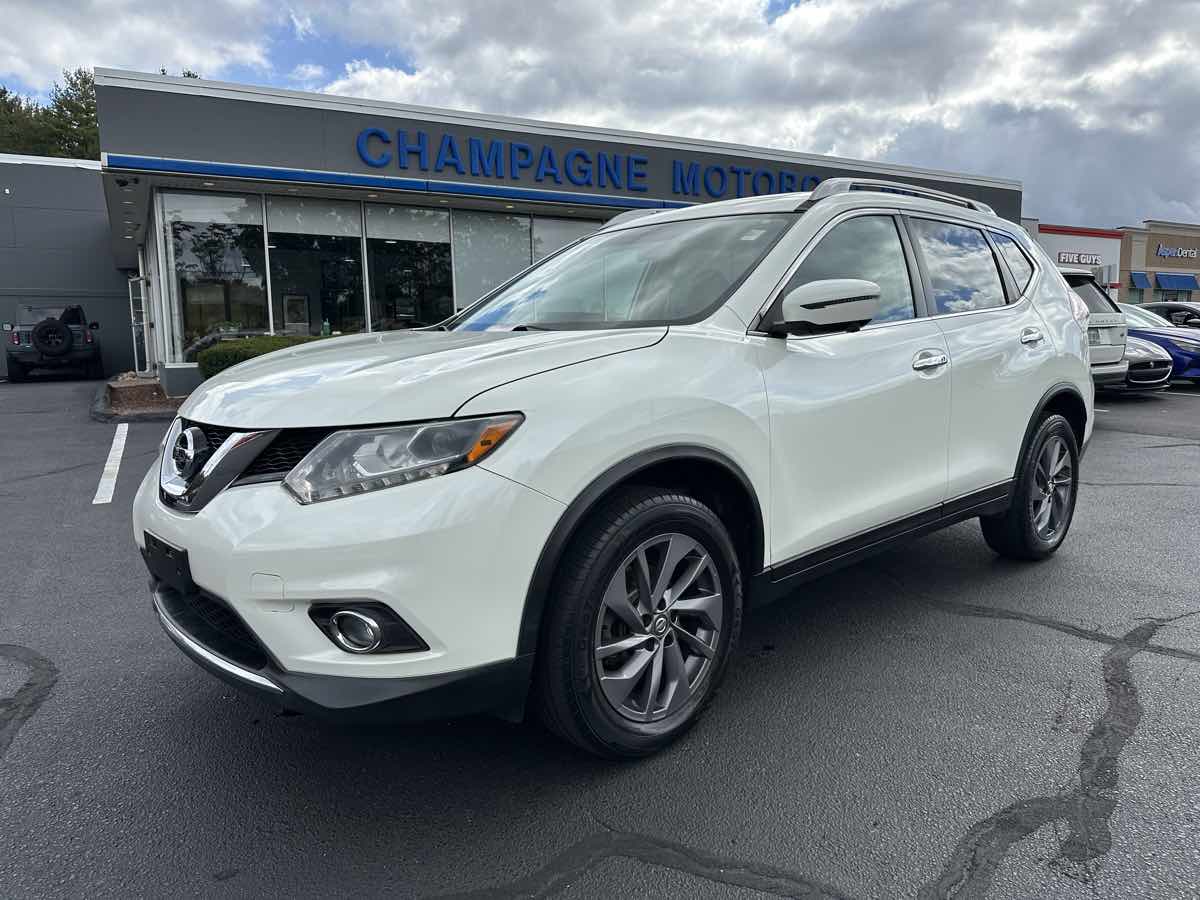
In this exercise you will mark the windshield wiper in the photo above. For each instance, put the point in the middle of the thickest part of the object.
(525, 326)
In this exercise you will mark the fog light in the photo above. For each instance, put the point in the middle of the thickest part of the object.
(354, 631)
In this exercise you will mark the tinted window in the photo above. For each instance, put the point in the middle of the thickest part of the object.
(1018, 262)
(1142, 318)
(1097, 301)
(962, 269)
(867, 247)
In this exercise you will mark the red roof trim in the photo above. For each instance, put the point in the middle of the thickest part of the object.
(1082, 232)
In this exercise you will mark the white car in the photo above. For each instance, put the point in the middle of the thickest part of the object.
(1106, 329)
(571, 491)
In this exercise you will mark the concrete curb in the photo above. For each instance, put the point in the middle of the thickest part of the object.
(102, 411)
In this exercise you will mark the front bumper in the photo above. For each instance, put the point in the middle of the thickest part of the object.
(1106, 374)
(452, 556)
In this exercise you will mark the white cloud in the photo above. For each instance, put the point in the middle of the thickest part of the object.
(307, 73)
(1092, 105)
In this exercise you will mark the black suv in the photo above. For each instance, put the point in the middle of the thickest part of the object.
(49, 337)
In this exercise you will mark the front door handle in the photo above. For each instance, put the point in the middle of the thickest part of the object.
(1030, 336)
(929, 359)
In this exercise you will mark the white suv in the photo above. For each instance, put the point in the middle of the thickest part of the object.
(570, 491)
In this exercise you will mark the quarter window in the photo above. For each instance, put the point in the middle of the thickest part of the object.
(866, 247)
(1018, 262)
(962, 268)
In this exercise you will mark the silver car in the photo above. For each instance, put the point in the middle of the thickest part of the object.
(1106, 329)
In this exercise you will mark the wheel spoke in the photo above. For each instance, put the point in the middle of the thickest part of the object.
(654, 681)
(618, 685)
(707, 606)
(677, 548)
(645, 592)
(676, 676)
(694, 643)
(1042, 517)
(688, 578)
(604, 651)
(616, 598)
(1060, 457)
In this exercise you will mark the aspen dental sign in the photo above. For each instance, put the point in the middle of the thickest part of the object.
(1176, 252)
(572, 167)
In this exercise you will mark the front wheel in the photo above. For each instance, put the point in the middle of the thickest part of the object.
(641, 624)
(1043, 502)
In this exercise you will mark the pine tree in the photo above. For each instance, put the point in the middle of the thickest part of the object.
(23, 126)
(71, 116)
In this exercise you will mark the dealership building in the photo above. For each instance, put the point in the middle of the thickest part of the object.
(236, 210)
(1160, 261)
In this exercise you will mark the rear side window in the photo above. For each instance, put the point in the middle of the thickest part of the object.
(1018, 262)
(866, 247)
(962, 268)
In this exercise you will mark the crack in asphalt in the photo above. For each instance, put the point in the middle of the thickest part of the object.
(16, 710)
(83, 465)
(1084, 810)
(577, 859)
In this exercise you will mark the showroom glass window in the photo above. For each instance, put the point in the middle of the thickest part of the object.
(216, 260)
(489, 248)
(316, 265)
(962, 269)
(866, 247)
(408, 265)
(549, 234)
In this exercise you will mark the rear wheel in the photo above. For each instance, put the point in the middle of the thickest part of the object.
(1043, 502)
(644, 616)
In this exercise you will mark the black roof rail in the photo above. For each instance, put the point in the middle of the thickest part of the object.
(831, 186)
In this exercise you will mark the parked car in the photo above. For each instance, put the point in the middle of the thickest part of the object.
(1178, 312)
(1150, 368)
(1106, 328)
(1183, 344)
(51, 337)
(579, 483)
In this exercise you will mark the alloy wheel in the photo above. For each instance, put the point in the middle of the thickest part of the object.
(1053, 483)
(658, 627)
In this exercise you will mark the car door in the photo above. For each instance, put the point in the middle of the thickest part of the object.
(858, 420)
(1001, 351)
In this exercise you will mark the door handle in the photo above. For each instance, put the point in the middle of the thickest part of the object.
(929, 359)
(1030, 335)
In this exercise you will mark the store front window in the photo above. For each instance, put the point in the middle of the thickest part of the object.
(216, 257)
(489, 248)
(550, 234)
(1161, 296)
(408, 264)
(316, 265)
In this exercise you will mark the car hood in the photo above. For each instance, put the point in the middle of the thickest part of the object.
(393, 376)
(1168, 333)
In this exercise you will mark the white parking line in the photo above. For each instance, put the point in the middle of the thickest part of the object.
(108, 480)
(1181, 394)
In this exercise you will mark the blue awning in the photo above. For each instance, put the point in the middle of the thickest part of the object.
(1140, 280)
(1176, 282)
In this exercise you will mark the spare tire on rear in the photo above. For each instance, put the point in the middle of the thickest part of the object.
(51, 337)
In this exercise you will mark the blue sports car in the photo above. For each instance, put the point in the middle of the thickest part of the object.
(1182, 343)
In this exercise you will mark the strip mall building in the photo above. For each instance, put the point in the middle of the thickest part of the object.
(239, 210)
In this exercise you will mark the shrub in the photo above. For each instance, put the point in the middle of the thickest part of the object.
(229, 353)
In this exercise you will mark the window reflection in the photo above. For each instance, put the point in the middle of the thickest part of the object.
(489, 248)
(408, 259)
(1018, 263)
(866, 247)
(217, 260)
(316, 265)
(962, 269)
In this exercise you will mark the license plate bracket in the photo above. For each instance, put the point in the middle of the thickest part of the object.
(168, 564)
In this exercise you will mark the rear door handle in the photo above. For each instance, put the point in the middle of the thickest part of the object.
(929, 359)
(1030, 336)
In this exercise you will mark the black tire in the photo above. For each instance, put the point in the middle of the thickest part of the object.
(17, 372)
(51, 337)
(1016, 533)
(568, 691)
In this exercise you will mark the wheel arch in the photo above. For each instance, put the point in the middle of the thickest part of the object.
(707, 474)
(1065, 400)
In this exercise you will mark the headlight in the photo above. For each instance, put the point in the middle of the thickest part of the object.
(1186, 346)
(369, 459)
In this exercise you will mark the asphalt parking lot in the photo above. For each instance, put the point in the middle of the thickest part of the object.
(932, 723)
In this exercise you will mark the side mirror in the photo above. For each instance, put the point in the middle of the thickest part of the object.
(1193, 322)
(94, 326)
(827, 307)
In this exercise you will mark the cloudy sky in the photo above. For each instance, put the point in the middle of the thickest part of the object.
(1094, 106)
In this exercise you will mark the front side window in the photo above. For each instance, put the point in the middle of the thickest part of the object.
(1018, 262)
(673, 272)
(962, 269)
(866, 247)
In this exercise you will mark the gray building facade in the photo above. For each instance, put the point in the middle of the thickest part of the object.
(243, 210)
(56, 248)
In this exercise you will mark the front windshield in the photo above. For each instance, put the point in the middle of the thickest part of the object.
(31, 315)
(1144, 318)
(673, 272)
